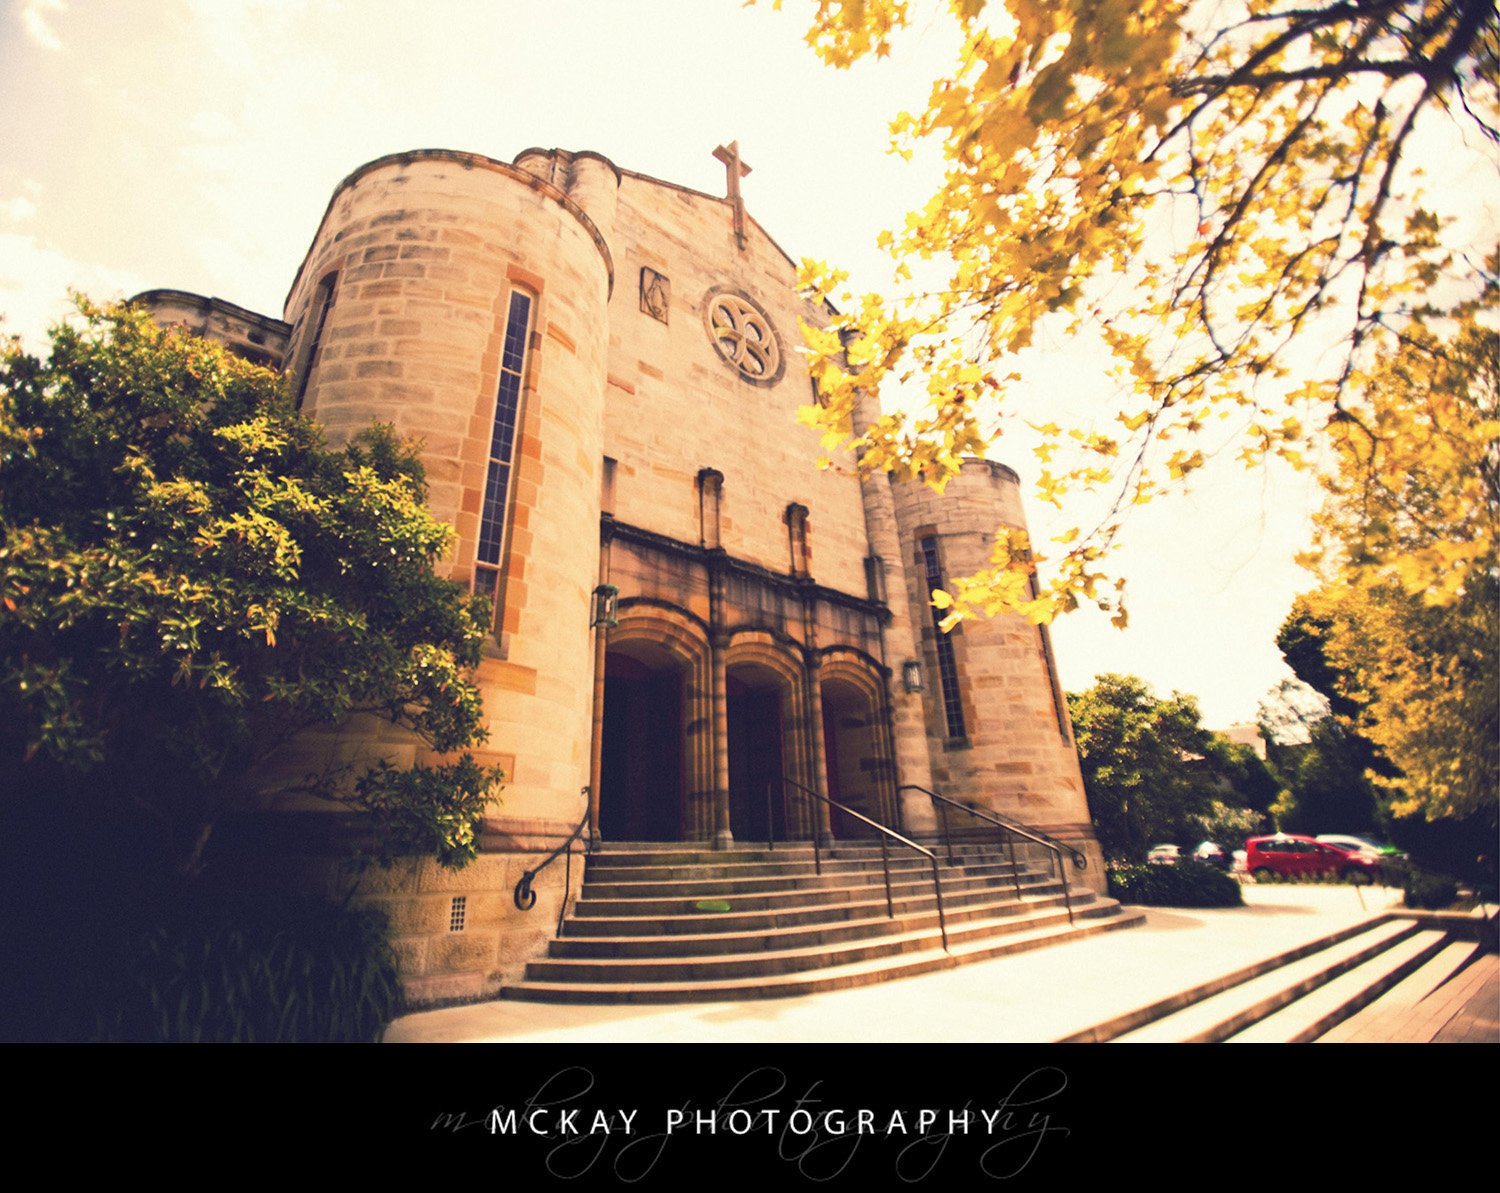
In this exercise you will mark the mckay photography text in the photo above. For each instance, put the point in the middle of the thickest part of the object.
(768, 1117)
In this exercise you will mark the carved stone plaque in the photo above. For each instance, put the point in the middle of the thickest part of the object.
(656, 293)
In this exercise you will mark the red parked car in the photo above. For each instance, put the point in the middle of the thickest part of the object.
(1285, 856)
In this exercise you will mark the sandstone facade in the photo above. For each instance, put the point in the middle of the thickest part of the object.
(602, 370)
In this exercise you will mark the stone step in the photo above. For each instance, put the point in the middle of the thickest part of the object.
(648, 854)
(689, 884)
(763, 963)
(1223, 1014)
(675, 917)
(866, 920)
(642, 928)
(1405, 1012)
(610, 867)
(605, 872)
(829, 977)
(669, 854)
(661, 900)
(1309, 1016)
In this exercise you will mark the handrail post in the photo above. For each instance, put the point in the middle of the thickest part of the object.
(947, 836)
(885, 862)
(524, 895)
(817, 823)
(937, 889)
(770, 830)
(562, 911)
(886, 836)
(1011, 830)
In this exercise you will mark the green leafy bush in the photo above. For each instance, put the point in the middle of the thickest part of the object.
(1187, 884)
(191, 577)
(213, 969)
(1429, 892)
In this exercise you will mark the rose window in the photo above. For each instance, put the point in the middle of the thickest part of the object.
(743, 336)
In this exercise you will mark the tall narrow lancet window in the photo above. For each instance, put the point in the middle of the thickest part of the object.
(875, 578)
(953, 709)
(324, 304)
(801, 549)
(493, 514)
(710, 495)
(1059, 701)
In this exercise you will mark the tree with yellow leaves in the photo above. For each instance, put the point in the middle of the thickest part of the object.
(1241, 174)
(1410, 555)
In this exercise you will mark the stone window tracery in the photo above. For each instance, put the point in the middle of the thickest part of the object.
(743, 336)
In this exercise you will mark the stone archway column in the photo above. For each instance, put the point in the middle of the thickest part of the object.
(699, 750)
(796, 758)
(885, 744)
(723, 838)
(596, 732)
(813, 728)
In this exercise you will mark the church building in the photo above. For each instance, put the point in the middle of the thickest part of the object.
(692, 623)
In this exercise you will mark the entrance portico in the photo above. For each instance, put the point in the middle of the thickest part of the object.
(701, 720)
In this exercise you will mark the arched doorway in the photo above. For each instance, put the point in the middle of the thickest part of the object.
(642, 765)
(656, 764)
(756, 700)
(856, 747)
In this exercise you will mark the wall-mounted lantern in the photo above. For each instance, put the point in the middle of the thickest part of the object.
(911, 676)
(606, 607)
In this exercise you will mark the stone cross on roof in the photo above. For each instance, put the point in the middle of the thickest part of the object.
(736, 169)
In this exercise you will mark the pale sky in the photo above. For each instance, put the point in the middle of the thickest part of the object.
(194, 144)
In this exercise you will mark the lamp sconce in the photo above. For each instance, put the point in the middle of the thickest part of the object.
(606, 607)
(911, 676)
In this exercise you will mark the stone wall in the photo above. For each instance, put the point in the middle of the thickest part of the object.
(674, 406)
(259, 339)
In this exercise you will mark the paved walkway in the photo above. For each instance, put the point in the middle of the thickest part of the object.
(1044, 995)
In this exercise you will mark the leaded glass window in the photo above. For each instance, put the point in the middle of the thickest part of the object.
(953, 709)
(493, 513)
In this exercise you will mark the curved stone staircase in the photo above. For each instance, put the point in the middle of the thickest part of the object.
(661, 923)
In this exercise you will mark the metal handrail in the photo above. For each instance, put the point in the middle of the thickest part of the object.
(525, 898)
(1012, 830)
(1080, 860)
(885, 850)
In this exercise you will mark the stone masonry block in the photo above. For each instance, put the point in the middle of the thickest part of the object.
(460, 952)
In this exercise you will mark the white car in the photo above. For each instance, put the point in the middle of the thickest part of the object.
(1164, 855)
(1361, 845)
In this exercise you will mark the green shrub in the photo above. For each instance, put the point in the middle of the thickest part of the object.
(1429, 892)
(1187, 884)
(1328, 878)
(216, 968)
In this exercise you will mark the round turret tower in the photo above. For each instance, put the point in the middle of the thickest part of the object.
(998, 730)
(463, 301)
